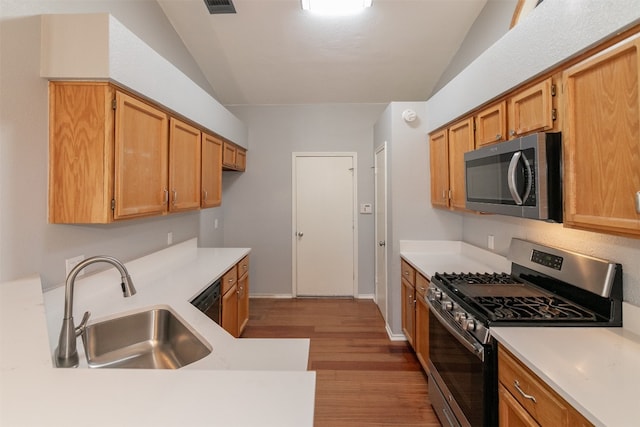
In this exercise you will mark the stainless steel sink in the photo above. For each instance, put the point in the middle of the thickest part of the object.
(152, 339)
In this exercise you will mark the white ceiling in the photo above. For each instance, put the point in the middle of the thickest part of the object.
(272, 52)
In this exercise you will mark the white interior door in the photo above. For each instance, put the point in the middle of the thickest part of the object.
(381, 229)
(324, 225)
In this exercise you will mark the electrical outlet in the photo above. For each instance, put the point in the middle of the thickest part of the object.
(491, 241)
(72, 262)
(169, 238)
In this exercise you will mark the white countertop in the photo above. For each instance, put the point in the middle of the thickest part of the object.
(244, 382)
(596, 370)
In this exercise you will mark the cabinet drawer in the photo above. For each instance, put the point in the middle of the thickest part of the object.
(243, 266)
(422, 284)
(408, 272)
(229, 279)
(525, 386)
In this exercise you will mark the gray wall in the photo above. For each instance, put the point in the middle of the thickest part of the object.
(257, 203)
(27, 243)
(410, 215)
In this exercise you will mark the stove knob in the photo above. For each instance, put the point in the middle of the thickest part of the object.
(460, 317)
(469, 325)
(447, 305)
(438, 294)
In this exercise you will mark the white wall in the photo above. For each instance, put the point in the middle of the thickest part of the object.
(410, 215)
(257, 203)
(585, 22)
(27, 243)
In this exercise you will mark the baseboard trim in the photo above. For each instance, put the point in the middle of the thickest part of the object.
(394, 337)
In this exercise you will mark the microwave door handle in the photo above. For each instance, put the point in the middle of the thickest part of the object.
(511, 177)
(527, 165)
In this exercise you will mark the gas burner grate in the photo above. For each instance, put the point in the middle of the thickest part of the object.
(478, 278)
(532, 308)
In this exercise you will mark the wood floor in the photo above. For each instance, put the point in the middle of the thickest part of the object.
(362, 378)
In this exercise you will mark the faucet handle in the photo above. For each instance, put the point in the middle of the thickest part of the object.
(83, 323)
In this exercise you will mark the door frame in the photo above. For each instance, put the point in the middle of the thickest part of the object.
(377, 238)
(294, 261)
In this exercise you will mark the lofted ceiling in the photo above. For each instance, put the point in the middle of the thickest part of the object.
(273, 52)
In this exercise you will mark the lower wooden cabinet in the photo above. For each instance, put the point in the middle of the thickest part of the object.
(526, 400)
(235, 298)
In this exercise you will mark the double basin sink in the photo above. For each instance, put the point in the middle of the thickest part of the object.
(153, 339)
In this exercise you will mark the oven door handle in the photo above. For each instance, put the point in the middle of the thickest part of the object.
(475, 348)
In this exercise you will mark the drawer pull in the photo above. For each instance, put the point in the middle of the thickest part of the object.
(516, 384)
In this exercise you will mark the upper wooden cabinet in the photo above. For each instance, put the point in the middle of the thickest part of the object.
(108, 155)
(491, 124)
(184, 163)
(439, 162)
(531, 109)
(234, 157)
(602, 141)
(211, 171)
(461, 140)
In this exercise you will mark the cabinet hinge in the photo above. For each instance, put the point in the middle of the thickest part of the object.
(114, 103)
(553, 90)
(113, 204)
(554, 114)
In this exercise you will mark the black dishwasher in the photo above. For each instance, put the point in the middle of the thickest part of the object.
(208, 302)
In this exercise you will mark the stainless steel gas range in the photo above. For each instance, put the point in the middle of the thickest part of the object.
(546, 287)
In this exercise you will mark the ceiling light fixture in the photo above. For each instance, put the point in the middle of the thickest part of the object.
(335, 7)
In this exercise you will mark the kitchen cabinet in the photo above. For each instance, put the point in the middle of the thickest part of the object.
(447, 148)
(439, 162)
(234, 288)
(211, 171)
(422, 321)
(234, 157)
(243, 294)
(491, 124)
(526, 400)
(408, 301)
(184, 164)
(108, 155)
(531, 109)
(602, 141)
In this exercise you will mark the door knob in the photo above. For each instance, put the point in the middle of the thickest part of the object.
(382, 243)
(299, 234)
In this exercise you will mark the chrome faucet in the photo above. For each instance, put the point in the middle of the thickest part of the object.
(66, 354)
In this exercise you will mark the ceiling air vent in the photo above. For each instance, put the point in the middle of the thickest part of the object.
(220, 6)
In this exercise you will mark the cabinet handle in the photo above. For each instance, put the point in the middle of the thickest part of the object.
(512, 132)
(166, 196)
(175, 197)
(516, 384)
(205, 194)
(498, 137)
(638, 202)
(230, 280)
(406, 273)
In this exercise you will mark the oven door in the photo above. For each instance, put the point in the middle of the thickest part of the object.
(465, 377)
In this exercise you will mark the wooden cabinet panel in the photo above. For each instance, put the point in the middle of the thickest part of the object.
(229, 155)
(229, 317)
(185, 163)
(422, 321)
(602, 141)
(211, 171)
(241, 159)
(531, 110)
(408, 310)
(81, 120)
(461, 140)
(523, 393)
(439, 163)
(243, 302)
(408, 272)
(229, 279)
(491, 125)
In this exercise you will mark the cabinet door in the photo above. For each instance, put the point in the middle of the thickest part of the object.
(439, 163)
(491, 125)
(602, 141)
(243, 303)
(229, 155)
(185, 163)
(408, 310)
(141, 163)
(211, 171)
(229, 318)
(531, 109)
(460, 141)
(241, 159)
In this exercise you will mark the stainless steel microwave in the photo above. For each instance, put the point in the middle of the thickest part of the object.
(521, 177)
